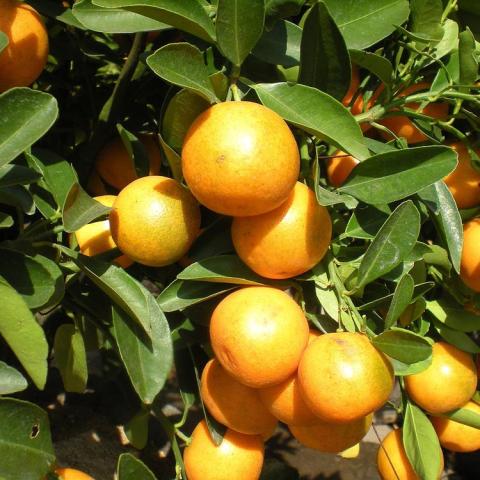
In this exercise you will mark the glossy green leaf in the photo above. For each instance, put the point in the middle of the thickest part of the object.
(400, 301)
(173, 158)
(6, 221)
(147, 360)
(24, 335)
(458, 339)
(136, 429)
(391, 176)
(71, 358)
(17, 175)
(131, 468)
(109, 20)
(239, 25)
(393, 242)
(421, 443)
(3, 41)
(426, 19)
(315, 112)
(366, 22)
(22, 127)
(403, 345)
(324, 58)
(403, 369)
(11, 380)
(376, 64)
(26, 446)
(187, 15)
(464, 416)
(449, 41)
(454, 316)
(440, 202)
(181, 294)
(17, 196)
(468, 62)
(366, 221)
(182, 64)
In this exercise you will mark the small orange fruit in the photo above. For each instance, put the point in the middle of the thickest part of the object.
(352, 89)
(448, 383)
(332, 437)
(235, 405)
(155, 220)
(470, 263)
(339, 367)
(339, 167)
(402, 126)
(392, 460)
(95, 238)
(464, 181)
(24, 58)
(456, 436)
(72, 474)
(240, 159)
(287, 241)
(238, 457)
(116, 167)
(258, 334)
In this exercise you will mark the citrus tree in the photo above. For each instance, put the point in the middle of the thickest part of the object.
(272, 207)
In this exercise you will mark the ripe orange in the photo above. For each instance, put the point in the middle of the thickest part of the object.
(470, 263)
(464, 181)
(352, 90)
(116, 167)
(238, 457)
(332, 437)
(72, 474)
(392, 461)
(448, 383)
(339, 167)
(240, 159)
(155, 220)
(95, 238)
(339, 367)
(402, 126)
(258, 334)
(287, 241)
(455, 436)
(235, 405)
(25, 56)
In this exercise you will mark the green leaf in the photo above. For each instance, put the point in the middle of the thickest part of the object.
(316, 113)
(173, 158)
(426, 19)
(402, 369)
(109, 20)
(56, 10)
(376, 64)
(187, 15)
(11, 380)
(403, 345)
(467, 61)
(449, 41)
(439, 200)
(17, 196)
(280, 45)
(222, 269)
(366, 22)
(24, 335)
(391, 176)
(26, 446)
(71, 358)
(464, 416)
(393, 242)
(458, 339)
(239, 25)
(131, 468)
(136, 429)
(20, 127)
(421, 444)
(6, 221)
(147, 360)
(181, 294)
(366, 221)
(400, 301)
(80, 209)
(3, 41)
(17, 175)
(182, 64)
(283, 8)
(455, 317)
(324, 58)
(136, 151)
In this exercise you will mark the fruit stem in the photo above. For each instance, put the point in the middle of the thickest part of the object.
(235, 92)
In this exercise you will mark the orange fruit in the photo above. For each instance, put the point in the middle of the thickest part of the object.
(448, 383)
(24, 58)
(470, 263)
(313, 335)
(72, 474)
(402, 126)
(258, 334)
(240, 159)
(392, 460)
(235, 405)
(455, 436)
(339, 367)
(95, 238)
(339, 167)
(464, 181)
(238, 457)
(116, 167)
(155, 220)
(352, 89)
(332, 437)
(95, 185)
(287, 241)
